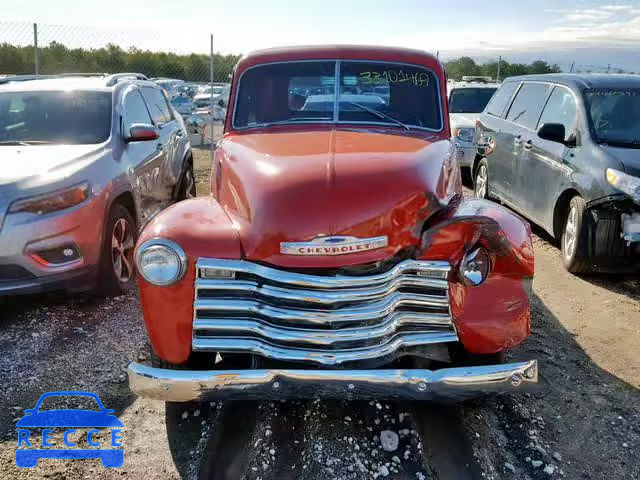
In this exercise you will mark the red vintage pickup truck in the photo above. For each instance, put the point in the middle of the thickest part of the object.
(335, 256)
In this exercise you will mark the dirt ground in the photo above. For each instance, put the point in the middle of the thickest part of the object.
(583, 423)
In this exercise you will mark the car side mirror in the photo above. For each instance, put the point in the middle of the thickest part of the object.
(554, 132)
(221, 103)
(142, 132)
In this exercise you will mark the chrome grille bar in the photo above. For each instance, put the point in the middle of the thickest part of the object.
(245, 307)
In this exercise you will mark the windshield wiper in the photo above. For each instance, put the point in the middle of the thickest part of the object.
(292, 120)
(379, 114)
(629, 143)
(24, 143)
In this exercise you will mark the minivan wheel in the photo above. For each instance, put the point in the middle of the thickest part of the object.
(481, 181)
(574, 242)
(187, 185)
(117, 272)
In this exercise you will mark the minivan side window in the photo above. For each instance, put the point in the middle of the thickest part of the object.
(526, 107)
(498, 103)
(158, 106)
(135, 110)
(560, 108)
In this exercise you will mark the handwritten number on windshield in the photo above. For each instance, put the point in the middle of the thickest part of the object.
(419, 79)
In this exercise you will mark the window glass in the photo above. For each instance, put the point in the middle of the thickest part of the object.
(526, 107)
(135, 110)
(615, 115)
(278, 93)
(62, 117)
(381, 92)
(158, 106)
(469, 100)
(498, 103)
(561, 108)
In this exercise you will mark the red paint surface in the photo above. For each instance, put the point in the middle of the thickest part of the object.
(495, 315)
(294, 183)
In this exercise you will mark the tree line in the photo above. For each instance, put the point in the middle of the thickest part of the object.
(462, 66)
(57, 58)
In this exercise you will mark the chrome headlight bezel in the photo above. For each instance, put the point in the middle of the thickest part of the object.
(624, 182)
(476, 266)
(465, 134)
(168, 247)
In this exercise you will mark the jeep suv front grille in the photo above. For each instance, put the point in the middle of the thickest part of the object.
(244, 307)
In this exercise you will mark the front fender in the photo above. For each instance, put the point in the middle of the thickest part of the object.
(203, 229)
(495, 315)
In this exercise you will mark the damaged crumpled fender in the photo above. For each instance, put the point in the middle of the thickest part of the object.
(495, 315)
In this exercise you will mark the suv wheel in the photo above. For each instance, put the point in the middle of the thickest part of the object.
(117, 272)
(481, 181)
(574, 241)
(187, 184)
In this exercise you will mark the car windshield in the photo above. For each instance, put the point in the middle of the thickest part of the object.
(469, 100)
(380, 93)
(58, 117)
(210, 90)
(615, 115)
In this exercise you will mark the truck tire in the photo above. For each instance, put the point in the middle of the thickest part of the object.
(116, 274)
(575, 238)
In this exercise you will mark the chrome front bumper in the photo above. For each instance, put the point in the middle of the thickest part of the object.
(444, 385)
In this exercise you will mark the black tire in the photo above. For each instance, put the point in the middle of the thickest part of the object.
(187, 188)
(481, 180)
(574, 242)
(109, 283)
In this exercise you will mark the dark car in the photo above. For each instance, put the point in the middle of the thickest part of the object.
(564, 151)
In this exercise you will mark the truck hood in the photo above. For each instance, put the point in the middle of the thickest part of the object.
(298, 186)
(47, 162)
(629, 157)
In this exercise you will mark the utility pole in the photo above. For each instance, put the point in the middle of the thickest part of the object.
(213, 147)
(35, 49)
(498, 74)
(608, 67)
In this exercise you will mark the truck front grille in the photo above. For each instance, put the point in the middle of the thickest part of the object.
(244, 307)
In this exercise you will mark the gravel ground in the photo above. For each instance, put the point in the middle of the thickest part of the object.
(583, 423)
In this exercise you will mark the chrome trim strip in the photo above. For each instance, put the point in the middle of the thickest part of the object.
(244, 327)
(321, 357)
(437, 269)
(367, 312)
(336, 297)
(445, 385)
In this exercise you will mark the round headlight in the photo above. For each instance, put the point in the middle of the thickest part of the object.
(475, 267)
(161, 262)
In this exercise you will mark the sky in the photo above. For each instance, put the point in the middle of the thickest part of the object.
(584, 31)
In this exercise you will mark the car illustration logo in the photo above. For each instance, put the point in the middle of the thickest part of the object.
(333, 245)
(27, 453)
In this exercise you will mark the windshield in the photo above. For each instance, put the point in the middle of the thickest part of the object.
(469, 100)
(615, 115)
(369, 92)
(59, 117)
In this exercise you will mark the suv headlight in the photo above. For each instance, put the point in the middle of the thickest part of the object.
(625, 183)
(53, 201)
(464, 134)
(160, 261)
